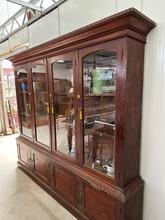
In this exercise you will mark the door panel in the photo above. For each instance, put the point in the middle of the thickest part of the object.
(41, 104)
(24, 101)
(99, 85)
(42, 167)
(64, 104)
(98, 206)
(65, 183)
(98, 88)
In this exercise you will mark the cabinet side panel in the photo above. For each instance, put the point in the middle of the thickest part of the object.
(132, 209)
(133, 107)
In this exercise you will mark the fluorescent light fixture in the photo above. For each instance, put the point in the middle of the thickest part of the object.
(60, 61)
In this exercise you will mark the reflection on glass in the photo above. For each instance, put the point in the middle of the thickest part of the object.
(41, 103)
(64, 106)
(99, 75)
(25, 104)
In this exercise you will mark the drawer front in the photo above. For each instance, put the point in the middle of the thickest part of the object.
(98, 205)
(65, 183)
(42, 166)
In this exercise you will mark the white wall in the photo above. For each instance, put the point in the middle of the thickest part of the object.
(77, 13)
(153, 126)
(153, 122)
(74, 14)
(44, 29)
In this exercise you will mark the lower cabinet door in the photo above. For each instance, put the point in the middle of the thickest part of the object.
(98, 205)
(24, 154)
(65, 183)
(42, 167)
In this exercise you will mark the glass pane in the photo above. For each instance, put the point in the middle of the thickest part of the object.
(25, 104)
(41, 104)
(99, 76)
(64, 106)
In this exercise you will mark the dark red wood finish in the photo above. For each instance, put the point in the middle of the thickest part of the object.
(42, 166)
(65, 183)
(87, 193)
(98, 205)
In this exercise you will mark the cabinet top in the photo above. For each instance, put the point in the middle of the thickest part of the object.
(129, 22)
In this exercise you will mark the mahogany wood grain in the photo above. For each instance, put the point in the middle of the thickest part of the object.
(132, 110)
(71, 208)
(41, 166)
(65, 183)
(98, 206)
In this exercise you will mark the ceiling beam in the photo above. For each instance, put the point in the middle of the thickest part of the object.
(25, 4)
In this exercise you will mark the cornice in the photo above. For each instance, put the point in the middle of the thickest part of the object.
(130, 19)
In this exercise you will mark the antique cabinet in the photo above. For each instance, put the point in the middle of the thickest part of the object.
(79, 100)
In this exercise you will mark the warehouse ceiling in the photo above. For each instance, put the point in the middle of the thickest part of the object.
(16, 13)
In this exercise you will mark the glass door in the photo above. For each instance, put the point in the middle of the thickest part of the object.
(99, 108)
(24, 102)
(63, 77)
(41, 104)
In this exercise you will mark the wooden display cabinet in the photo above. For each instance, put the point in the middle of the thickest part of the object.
(79, 100)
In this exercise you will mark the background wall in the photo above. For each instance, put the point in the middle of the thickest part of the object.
(76, 13)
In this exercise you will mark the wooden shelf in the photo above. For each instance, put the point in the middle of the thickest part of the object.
(100, 94)
(23, 79)
(40, 92)
(24, 92)
(26, 114)
(99, 114)
(64, 94)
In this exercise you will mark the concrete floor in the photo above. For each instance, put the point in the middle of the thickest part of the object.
(20, 197)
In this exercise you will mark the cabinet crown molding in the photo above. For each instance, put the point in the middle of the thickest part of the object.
(130, 22)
